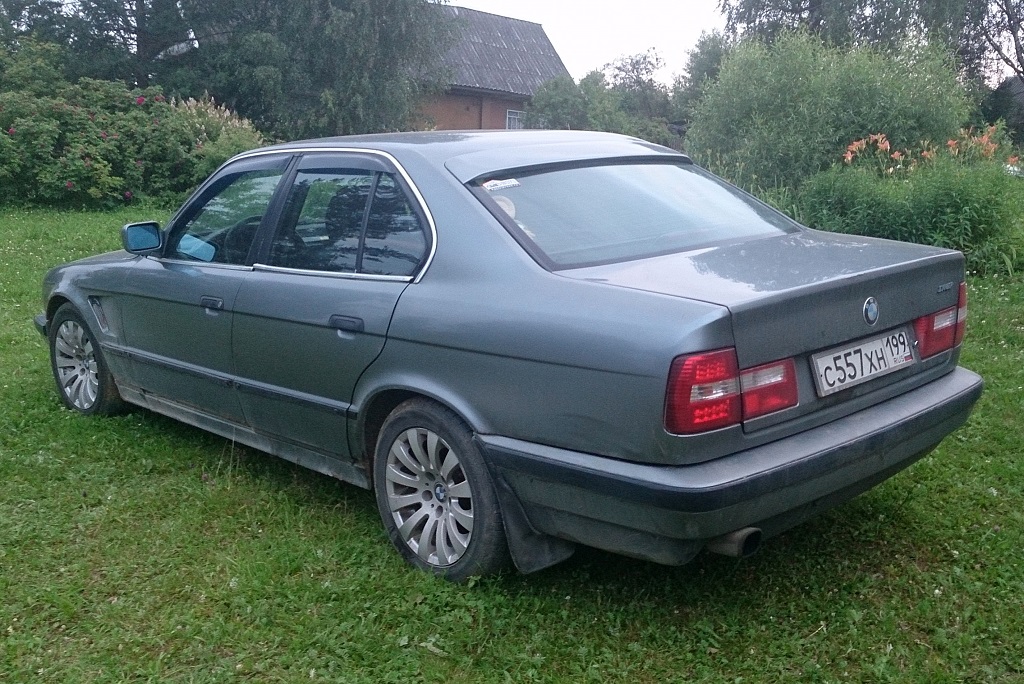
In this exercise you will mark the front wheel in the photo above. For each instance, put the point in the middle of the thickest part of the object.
(83, 381)
(435, 495)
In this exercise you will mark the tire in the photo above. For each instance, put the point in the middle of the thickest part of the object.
(84, 382)
(435, 494)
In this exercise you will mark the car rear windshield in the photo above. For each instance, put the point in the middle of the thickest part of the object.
(589, 215)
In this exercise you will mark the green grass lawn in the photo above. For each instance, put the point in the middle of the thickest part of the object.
(137, 548)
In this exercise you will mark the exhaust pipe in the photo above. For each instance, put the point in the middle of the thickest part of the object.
(739, 544)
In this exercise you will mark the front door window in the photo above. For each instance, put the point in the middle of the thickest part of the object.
(221, 229)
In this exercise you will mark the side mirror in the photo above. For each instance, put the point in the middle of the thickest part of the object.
(142, 238)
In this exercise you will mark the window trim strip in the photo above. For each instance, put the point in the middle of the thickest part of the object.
(332, 274)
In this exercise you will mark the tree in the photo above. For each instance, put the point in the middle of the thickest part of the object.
(884, 24)
(1002, 104)
(298, 68)
(703, 63)
(31, 67)
(314, 67)
(107, 39)
(1003, 31)
(594, 104)
(632, 76)
(10, 18)
(769, 18)
(38, 17)
(782, 112)
(604, 104)
(558, 104)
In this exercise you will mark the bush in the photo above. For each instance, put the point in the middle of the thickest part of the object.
(100, 144)
(217, 132)
(959, 196)
(594, 105)
(780, 113)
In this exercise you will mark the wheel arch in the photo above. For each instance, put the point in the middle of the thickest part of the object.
(57, 301)
(108, 399)
(530, 550)
(378, 404)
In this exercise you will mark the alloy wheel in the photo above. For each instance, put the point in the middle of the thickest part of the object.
(429, 497)
(76, 366)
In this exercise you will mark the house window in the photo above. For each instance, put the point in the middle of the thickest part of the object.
(514, 119)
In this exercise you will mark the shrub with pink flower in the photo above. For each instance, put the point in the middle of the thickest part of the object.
(101, 144)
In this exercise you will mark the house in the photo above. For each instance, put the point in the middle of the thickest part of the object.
(496, 66)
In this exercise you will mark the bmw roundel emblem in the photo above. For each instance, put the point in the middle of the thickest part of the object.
(871, 311)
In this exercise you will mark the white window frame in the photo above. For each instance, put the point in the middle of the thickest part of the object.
(514, 119)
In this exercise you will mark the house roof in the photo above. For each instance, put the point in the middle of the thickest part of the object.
(501, 54)
(1016, 86)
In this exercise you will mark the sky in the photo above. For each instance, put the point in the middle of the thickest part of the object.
(589, 34)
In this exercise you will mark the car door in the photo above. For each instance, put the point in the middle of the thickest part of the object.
(177, 307)
(316, 309)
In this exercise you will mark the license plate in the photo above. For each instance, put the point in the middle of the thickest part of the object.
(844, 367)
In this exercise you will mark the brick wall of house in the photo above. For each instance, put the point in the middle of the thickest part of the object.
(463, 112)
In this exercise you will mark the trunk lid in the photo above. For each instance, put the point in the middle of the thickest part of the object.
(795, 294)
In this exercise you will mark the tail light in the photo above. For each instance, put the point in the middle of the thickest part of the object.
(707, 391)
(769, 388)
(942, 330)
(703, 392)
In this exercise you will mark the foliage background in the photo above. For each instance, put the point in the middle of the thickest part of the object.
(300, 68)
(102, 144)
(781, 112)
(960, 195)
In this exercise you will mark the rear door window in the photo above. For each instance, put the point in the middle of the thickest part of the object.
(324, 215)
(344, 219)
(395, 240)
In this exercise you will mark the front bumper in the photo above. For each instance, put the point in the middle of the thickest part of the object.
(40, 323)
(668, 513)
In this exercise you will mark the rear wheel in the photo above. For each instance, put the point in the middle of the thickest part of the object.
(83, 381)
(435, 495)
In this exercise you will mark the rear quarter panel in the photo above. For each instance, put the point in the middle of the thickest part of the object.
(524, 353)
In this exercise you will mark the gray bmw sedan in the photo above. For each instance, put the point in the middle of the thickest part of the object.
(524, 341)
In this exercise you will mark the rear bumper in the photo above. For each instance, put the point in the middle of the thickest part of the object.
(40, 323)
(667, 513)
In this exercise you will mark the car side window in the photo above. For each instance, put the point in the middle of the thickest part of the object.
(349, 221)
(223, 227)
(395, 241)
(324, 219)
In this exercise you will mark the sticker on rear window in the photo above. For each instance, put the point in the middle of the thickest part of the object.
(492, 185)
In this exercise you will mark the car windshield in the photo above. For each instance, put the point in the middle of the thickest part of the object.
(618, 212)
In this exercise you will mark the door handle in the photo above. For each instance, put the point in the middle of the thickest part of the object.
(213, 303)
(347, 323)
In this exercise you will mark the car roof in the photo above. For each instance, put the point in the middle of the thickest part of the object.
(471, 154)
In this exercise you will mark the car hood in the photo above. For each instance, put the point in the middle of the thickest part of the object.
(800, 291)
(114, 257)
